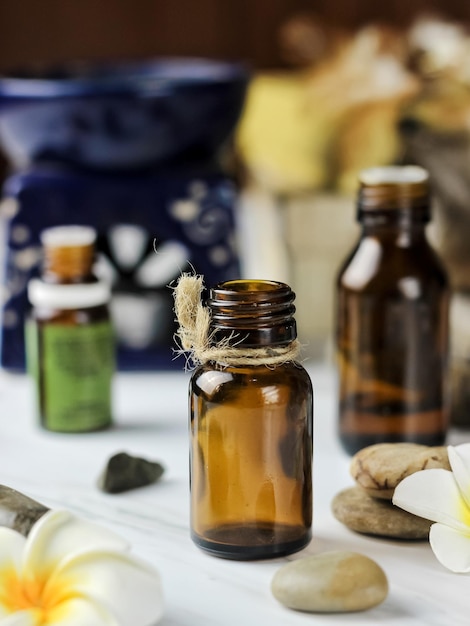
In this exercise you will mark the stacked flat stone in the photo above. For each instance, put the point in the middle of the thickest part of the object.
(367, 508)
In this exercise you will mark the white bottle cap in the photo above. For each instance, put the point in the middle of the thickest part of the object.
(394, 175)
(82, 296)
(62, 236)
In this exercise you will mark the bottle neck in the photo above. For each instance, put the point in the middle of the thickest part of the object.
(384, 223)
(68, 264)
(252, 313)
(394, 201)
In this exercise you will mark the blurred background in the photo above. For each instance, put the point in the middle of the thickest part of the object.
(313, 91)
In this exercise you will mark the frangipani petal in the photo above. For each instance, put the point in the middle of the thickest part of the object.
(57, 534)
(20, 618)
(69, 572)
(11, 548)
(434, 495)
(452, 548)
(80, 612)
(127, 587)
(459, 459)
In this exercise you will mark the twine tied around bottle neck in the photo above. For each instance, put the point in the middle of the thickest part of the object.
(195, 337)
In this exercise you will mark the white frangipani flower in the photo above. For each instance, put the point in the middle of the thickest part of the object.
(443, 496)
(70, 572)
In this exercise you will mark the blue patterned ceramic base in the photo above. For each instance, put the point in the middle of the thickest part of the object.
(186, 215)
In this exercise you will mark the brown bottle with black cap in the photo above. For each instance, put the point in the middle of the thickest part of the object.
(392, 318)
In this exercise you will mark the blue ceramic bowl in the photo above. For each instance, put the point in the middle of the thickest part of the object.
(121, 116)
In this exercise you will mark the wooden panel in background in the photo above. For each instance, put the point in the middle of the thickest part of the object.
(49, 31)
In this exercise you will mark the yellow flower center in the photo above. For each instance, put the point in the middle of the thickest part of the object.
(18, 594)
(464, 512)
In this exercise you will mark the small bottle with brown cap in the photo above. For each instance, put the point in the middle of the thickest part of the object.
(392, 318)
(69, 337)
(251, 427)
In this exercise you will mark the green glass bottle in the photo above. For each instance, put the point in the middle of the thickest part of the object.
(69, 336)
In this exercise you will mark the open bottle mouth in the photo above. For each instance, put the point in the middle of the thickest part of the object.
(252, 313)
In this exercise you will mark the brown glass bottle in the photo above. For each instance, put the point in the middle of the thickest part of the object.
(69, 338)
(251, 432)
(392, 318)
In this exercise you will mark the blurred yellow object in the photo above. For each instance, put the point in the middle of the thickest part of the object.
(280, 139)
(317, 128)
(366, 137)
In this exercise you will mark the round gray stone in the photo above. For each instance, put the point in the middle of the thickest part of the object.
(359, 512)
(331, 582)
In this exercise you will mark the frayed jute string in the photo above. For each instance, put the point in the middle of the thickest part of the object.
(195, 338)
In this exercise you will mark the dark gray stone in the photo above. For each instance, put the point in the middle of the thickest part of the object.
(17, 511)
(125, 472)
